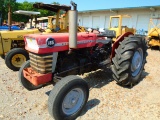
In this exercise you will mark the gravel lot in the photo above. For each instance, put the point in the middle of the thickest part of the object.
(107, 100)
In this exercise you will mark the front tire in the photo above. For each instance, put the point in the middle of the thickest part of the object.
(15, 58)
(3, 56)
(129, 60)
(68, 98)
(24, 82)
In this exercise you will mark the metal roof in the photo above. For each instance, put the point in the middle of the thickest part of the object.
(51, 7)
(119, 9)
(22, 12)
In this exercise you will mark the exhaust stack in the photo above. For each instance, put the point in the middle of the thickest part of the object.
(73, 26)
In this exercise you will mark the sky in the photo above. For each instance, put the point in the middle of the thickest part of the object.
(102, 4)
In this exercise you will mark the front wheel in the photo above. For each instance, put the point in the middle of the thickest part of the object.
(68, 98)
(15, 58)
(129, 60)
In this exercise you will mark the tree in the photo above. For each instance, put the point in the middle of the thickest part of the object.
(4, 4)
(28, 6)
(9, 4)
(56, 3)
(1, 10)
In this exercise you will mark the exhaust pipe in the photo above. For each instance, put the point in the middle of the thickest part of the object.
(73, 26)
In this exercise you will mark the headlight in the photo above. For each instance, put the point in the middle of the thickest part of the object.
(31, 43)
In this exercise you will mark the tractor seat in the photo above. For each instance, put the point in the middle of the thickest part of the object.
(108, 34)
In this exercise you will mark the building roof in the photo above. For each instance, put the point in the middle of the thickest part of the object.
(152, 8)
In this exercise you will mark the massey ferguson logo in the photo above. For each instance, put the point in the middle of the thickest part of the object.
(50, 42)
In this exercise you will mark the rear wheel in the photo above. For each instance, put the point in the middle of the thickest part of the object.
(68, 98)
(129, 60)
(15, 58)
(25, 83)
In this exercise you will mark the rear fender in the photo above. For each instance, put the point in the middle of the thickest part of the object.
(116, 44)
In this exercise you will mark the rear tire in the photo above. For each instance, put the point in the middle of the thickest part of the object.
(129, 60)
(24, 82)
(15, 58)
(68, 97)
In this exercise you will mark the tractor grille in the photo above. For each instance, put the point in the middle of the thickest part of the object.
(41, 63)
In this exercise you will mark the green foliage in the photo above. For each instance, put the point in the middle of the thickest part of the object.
(9, 2)
(45, 13)
(4, 7)
(56, 3)
(28, 6)
(22, 6)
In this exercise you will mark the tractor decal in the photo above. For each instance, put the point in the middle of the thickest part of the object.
(32, 42)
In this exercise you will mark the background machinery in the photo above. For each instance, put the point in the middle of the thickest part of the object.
(154, 33)
(60, 20)
(12, 44)
(5, 27)
(56, 58)
(116, 23)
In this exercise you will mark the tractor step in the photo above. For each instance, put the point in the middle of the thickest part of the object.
(104, 41)
(105, 62)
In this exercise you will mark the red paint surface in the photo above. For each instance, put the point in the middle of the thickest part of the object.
(116, 44)
(36, 78)
(59, 38)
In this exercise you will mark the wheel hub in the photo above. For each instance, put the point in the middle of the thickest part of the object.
(18, 60)
(73, 101)
(137, 62)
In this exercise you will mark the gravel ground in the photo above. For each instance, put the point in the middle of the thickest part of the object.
(107, 100)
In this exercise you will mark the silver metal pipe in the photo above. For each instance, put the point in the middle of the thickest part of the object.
(73, 29)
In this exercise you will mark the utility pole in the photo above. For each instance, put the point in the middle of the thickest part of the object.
(9, 17)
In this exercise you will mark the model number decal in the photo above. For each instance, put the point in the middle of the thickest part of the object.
(50, 42)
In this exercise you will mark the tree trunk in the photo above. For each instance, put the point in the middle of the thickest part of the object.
(9, 17)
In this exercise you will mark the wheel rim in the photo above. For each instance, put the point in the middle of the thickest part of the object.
(73, 101)
(18, 60)
(137, 62)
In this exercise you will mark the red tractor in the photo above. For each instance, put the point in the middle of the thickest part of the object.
(59, 57)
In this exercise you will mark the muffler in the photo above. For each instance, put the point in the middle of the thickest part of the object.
(73, 15)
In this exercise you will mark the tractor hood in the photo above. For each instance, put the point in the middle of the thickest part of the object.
(55, 42)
